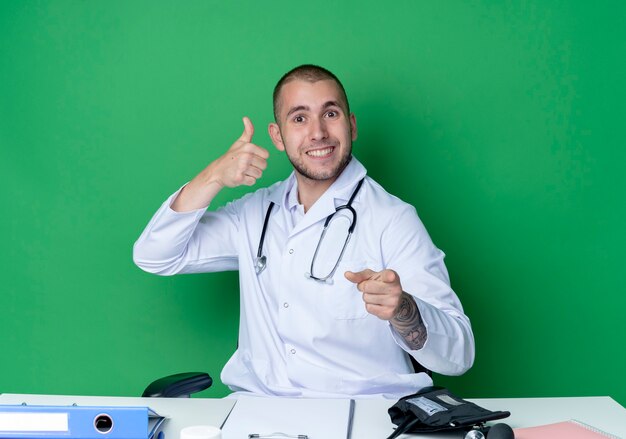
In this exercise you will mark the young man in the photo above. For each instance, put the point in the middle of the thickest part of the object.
(323, 313)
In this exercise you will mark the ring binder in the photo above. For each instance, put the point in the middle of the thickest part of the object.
(78, 422)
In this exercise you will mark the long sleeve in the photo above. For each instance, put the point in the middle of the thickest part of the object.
(188, 242)
(449, 347)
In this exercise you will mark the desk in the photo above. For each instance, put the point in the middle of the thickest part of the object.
(371, 420)
(370, 417)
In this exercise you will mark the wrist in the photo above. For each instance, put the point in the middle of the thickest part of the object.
(210, 177)
(405, 309)
(197, 194)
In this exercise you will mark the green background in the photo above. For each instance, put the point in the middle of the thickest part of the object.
(502, 122)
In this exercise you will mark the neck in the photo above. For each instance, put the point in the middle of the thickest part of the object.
(309, 191)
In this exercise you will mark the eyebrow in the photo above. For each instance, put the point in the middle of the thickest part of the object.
(298, 108)
(307, 108)
(331, 104)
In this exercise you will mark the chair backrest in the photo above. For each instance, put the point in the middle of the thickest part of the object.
(417, 367)
(180, 385)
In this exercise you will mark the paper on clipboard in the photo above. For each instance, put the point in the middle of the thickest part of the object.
(315, 418)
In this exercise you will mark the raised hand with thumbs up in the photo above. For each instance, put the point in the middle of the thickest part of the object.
(242, 164)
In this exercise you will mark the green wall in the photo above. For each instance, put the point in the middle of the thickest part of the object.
(502, 122)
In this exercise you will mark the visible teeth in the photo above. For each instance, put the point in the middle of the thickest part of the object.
(320, 152)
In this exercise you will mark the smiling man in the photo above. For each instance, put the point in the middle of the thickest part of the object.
(341, 286)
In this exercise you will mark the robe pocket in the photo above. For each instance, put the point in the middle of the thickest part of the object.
(342, 299)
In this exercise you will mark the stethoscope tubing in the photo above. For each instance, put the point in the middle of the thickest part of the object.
(261, 261)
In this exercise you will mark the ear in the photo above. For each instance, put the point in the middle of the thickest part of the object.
(274, 131)
(353, 126)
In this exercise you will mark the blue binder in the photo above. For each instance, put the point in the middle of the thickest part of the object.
(78, 422)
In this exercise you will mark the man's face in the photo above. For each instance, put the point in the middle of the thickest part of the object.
(314, 128)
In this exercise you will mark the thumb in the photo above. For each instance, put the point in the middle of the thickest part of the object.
(248, 130)
(359, 276)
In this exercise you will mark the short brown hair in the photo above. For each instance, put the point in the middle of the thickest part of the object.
(309, 73)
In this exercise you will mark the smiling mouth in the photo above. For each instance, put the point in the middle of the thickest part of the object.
(321, 152)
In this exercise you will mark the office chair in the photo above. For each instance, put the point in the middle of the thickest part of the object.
(417, 367)
(182, 385)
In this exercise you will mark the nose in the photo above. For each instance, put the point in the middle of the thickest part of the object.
(318, 129)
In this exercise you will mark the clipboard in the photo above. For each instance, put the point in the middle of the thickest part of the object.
(260, 416)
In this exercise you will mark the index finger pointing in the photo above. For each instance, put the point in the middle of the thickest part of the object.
(358, 277)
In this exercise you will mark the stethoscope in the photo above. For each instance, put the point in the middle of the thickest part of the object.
(260, 262)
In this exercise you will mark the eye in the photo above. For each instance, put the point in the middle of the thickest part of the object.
(332, 114)
(298, 119)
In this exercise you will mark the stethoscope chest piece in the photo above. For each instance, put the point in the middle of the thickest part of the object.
(259, 264)
(474, 434)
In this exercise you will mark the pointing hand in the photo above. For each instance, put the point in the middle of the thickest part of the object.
(381, 291)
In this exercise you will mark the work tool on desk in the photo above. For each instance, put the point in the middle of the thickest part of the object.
(437, 409)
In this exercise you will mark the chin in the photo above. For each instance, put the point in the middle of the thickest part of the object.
(325, 173)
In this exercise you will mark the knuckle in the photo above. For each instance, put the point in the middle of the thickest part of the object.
(241, 167)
